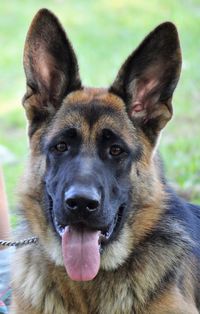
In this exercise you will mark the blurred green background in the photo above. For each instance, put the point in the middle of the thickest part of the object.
(103, 34)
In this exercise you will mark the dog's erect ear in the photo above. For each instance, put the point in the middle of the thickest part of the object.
(147, 79)
(50, 64)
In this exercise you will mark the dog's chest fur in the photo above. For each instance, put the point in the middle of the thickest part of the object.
(47, 289)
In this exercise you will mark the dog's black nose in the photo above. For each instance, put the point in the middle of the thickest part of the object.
(82, 199)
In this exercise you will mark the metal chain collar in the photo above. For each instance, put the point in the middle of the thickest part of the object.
(27, 241)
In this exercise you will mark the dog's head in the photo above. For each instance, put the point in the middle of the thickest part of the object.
(93, 179)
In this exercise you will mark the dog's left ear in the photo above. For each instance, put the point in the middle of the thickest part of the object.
(147, 79)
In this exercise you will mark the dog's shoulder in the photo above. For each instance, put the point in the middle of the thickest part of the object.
(186, 213)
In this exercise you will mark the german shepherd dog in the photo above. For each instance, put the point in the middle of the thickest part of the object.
(113, 237)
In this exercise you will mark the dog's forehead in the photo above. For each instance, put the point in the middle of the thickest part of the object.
(93, 105)
(88, 95)
(92, 110)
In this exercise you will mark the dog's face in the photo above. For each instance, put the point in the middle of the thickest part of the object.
(88, 166)
(92, 149)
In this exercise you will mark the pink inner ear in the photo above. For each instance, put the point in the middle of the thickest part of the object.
(44, 65)
(143, 94)
(137, 107)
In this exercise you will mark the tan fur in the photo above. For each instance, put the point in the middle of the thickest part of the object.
(64, 296)
(95, 94)
(87, 96)
(172, 302)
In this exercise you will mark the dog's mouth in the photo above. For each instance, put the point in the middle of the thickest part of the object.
(82, 246)
(107, 233)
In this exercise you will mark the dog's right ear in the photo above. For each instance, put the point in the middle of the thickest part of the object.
(50, 65)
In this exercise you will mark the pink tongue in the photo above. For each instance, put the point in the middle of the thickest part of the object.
(81, 255)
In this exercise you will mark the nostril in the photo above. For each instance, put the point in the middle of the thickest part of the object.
(82, 200)
(72, 203)
(81, 203)
(92, 205)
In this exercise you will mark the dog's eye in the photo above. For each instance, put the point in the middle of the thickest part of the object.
(61, 147)
(116, 150)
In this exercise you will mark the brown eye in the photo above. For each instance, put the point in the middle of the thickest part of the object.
(116, 150)
(61, 147)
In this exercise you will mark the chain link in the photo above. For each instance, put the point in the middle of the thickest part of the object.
(27, 241)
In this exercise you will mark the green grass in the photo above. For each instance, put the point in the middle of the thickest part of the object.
(103, 34)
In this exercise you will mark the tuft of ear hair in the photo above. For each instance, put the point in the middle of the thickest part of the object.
(147, 79)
